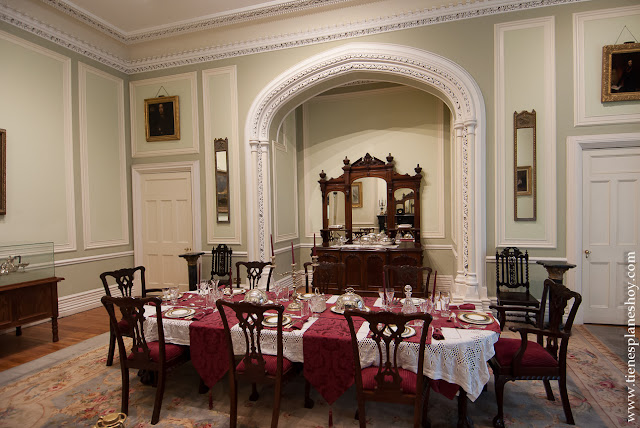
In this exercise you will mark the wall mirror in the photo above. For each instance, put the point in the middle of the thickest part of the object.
(524, 166)
(335, 208)
(221, 149)
(366, 194)
(405, 200)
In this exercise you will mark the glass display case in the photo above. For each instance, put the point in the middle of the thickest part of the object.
(22, 262)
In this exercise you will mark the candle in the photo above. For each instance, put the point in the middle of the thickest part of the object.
(230, 278)
(199, 271)
(271, 245)
(314, 244)
(384, 289)
(293, 256)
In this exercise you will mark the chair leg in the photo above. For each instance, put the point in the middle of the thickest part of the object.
(275, 415)
(498, 421)
(362, 417)
(112, 347)
(426, 423)
(233, 403)
(547, 388)
(308, 402)
(124, 407)
(562, 382)
(254, 393)
(159, 394)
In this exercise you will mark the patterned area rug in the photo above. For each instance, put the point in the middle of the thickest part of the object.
(76, 392)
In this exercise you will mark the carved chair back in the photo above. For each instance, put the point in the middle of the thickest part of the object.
(416, 276)
(221, 261)
(512, 269)
(254, 273)
(124, 278)
(329, 277)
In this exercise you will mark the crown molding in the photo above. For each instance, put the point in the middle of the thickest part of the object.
(401, 21)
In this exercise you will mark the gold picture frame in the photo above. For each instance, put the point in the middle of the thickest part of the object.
(3, 172)
(162, 118)
(356, 195)
(621, 72)
(523, 181)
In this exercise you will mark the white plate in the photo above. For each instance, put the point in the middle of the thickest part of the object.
(475, 318)
(416, 300)
(235, 291)
(179, 312)
(306, 296)
(272, 320)
(408, 330)
(335, 310)
(166, 299)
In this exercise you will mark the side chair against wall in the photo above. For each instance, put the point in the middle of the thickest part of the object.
(124, 278)
(156, 356)
(397, 276)
(512, 282)
(522, 359)
(388, 382)
(254, 273)
(221, 263)
(255, 366)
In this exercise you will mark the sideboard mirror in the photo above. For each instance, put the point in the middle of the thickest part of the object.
(524, 166)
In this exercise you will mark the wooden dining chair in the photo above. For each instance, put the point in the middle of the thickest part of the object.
(125, 280)
(387, 382)
(397, 276)
(156, 356)
(255, 366)
(254, 273)
(329, 278)
(512, 282)
(221, 264)
(523, 359)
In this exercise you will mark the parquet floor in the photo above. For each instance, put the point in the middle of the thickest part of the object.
(35, 341)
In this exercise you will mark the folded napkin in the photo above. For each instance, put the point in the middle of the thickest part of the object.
(201, 314)
(298, 323)
(463, 307)
(437, 334)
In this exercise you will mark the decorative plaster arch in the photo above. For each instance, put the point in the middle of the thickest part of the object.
(423, 69)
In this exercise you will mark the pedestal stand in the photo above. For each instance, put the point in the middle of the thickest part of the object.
(556, 269)
(192, 263)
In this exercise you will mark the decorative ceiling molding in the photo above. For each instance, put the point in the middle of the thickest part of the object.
(402, 21)
(212, 21)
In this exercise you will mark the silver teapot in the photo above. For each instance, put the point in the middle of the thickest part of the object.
(350, 300)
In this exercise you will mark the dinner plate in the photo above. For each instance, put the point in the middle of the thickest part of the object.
(335, 310)
(272, 320)
(408, 330)
(475, 318)
(166, 299)
(235, 291)
(416, 300)
(179, 312)
(306, 296)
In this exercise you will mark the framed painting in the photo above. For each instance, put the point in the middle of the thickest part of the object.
(523, 181)
(356, 195)
(621, 72)
(3, 172)
(162, 118)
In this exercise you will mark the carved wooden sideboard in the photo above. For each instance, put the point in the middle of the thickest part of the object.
(30, 301)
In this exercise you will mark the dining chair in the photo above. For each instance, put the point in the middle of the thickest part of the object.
(255, 366)
(329, 277)
(254, 273)
(221, 263)
(387, 382)
(397, 276)
(512, 282)
(125, 279)
(523, 359)
(156, 356)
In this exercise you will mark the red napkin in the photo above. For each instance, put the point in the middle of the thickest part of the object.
(437, 334)
(463, 307)
(199, 315)
(297, 325)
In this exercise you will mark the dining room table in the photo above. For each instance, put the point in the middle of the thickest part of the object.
(456, 352)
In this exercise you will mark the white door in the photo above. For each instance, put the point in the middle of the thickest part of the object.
(611, 219)
(167, 227)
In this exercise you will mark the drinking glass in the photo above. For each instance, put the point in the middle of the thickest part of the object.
(390, 292)
(382, 298)
(166, 294)
(174, 295)
(426, 307)
(444, 296)
(305, 310)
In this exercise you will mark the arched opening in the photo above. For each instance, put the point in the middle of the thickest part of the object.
(392, 63)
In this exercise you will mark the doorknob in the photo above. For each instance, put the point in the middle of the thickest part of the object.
(587, 252)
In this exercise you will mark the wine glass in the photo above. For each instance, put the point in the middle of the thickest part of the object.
(382, 298)
(445, 298)
(390, 292)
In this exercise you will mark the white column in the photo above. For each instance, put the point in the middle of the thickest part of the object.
(264, 200)
(459, 281)
(471, 292)
(253, 181)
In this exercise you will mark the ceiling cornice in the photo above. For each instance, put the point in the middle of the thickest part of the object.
(338, 32)
(208, 22)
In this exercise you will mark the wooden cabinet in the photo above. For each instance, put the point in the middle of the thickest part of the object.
(30, 301)
(364, 267)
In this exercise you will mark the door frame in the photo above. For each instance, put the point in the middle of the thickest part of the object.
(575, 146)
(137, 171)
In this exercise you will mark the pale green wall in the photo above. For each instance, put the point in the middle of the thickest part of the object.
(30, 140)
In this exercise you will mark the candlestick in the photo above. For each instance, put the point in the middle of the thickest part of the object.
(272, 245)
(293, 256)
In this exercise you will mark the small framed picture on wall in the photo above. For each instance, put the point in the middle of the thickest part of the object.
(523, 181)
(621, 72)
(162, 118)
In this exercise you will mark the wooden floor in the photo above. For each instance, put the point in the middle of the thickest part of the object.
(35, 341)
